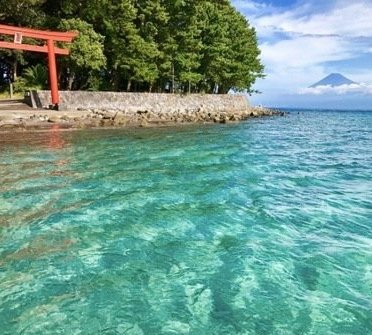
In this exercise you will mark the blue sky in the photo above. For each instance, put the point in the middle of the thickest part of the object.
(303, 41)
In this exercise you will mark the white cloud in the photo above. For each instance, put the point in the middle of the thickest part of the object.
(251, 8)
(338, 90)
(304, 51)
(346, 19)
(302, 44)
(294, 63)
(361, 76)
(248, 5)
(315, 38)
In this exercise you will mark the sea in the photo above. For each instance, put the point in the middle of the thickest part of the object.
(259, 227)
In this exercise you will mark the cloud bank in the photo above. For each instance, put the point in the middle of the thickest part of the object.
(364, 89)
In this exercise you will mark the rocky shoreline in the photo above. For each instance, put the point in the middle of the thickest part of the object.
(95, 118)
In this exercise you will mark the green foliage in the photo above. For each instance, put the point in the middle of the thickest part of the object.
(26, 13)
(86, 52)
(231, 57)
(20, 85)
(22, 13)
(145, 45)
(34, 78)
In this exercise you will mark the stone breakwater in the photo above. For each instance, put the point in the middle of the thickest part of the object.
(96, 118)
(80, 109)
(134, 102)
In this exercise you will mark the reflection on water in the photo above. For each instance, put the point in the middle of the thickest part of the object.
(256, 228)
(55, 139)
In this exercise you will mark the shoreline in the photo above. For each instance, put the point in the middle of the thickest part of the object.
(36, 120)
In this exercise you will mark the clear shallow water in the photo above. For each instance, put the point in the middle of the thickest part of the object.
(263, 227)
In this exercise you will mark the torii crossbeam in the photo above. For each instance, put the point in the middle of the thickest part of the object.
(50, 37)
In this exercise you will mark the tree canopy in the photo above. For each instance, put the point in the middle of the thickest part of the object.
(145, 45)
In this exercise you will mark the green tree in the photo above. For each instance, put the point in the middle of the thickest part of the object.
(196, 45)
(33, 78)
(26, 13)
(245, 64)
(87, 58)
(36, 77)
(152, 18)
(182, 44)
(231, 56)
(115, 21)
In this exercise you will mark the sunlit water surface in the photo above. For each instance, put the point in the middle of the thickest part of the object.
(262, 227)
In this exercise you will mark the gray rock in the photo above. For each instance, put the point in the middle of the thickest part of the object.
(6, 117)
(119, 120)
(54, 119)
(144, 124)
(109, 114)
(106, 123)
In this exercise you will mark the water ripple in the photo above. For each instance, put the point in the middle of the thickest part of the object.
(261, 227)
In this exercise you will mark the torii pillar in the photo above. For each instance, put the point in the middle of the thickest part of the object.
(49, 37)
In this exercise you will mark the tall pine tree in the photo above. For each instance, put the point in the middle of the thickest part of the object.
(149, 45)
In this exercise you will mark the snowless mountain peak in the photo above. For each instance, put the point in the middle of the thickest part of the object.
(333, 80)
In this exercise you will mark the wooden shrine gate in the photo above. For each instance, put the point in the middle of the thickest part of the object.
(50, 37)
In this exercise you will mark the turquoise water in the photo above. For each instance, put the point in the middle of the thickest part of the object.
(262, 227)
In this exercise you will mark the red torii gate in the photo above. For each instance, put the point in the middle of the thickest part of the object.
(50, 37)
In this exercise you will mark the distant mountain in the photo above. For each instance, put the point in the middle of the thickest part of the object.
(334, 79)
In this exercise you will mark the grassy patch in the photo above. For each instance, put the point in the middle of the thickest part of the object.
(6, 95)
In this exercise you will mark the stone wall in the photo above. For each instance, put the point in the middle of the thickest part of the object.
(134, 102)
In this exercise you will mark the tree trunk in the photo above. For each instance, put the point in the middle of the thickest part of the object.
(129, 85)
(14, 70)
(173, 79)
(71, 79)
(215, 88)
(221, 89)
(115, 79)
(11, 90)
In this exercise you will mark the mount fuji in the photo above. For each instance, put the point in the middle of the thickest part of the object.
(333, 80)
